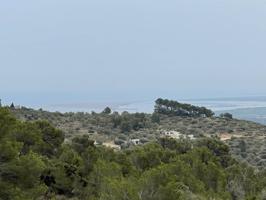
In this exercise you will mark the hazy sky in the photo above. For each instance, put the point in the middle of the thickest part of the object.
(55, 51)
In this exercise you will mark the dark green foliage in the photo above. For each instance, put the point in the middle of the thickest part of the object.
(242, 146)
(127, 122)
(12, 106)
(219, 149)
(125, 126)
(155, 118)
(179, 146)
(8, 122)
(52, 138)
(107, 111)
(81, 143)
(21, 164)
(174, 108)
(226, 115)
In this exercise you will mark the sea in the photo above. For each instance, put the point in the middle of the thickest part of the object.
(246, 108)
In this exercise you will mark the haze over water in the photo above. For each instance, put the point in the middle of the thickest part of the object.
(65, 52)
(222, 104)
(84, 55)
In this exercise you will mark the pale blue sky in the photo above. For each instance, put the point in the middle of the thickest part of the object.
(54, 51)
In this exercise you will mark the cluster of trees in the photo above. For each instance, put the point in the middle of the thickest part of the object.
(174, 108)
(127, 122)
(226, 115)
(26, 149)
(35, 163)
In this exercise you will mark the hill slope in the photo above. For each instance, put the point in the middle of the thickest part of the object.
(246, 139)
(35, 163)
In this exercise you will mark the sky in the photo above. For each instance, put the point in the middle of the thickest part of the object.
(65, 51)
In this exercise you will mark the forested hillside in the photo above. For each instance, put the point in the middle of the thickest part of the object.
(35, 163)
(246, 139)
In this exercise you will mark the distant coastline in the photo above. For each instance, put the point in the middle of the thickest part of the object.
(222, 104)
(249, 108)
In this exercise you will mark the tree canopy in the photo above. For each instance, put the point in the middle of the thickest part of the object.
(174, 108)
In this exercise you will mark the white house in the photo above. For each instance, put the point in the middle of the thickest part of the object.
(172, 134)
(177, 135)
(135, 141)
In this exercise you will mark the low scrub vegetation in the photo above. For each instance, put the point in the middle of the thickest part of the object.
(120, 128)
(36, 163)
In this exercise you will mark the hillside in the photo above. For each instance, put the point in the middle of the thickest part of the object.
(35, 163)
(246, 139)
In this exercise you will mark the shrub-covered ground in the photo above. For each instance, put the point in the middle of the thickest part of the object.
(35, 163)
(119, 128)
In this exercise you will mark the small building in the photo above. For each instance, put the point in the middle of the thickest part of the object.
(172, 134)
(176, 135)
(135, 141)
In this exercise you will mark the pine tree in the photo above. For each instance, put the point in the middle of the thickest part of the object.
(12, 105)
